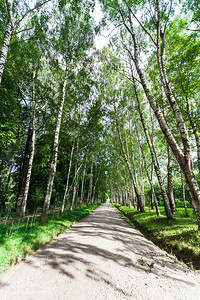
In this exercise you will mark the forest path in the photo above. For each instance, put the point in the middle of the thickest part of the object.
(101, 257)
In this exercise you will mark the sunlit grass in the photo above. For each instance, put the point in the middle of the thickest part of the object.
(21, 243)
(177, 235)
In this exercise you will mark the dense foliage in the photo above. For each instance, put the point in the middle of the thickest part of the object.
(79, 125)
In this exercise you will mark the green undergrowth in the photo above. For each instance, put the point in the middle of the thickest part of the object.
(179, 236)
(24, 241)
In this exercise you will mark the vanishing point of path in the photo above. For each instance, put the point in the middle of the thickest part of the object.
(101, 257)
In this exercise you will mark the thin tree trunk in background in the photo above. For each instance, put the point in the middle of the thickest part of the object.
(141, 175)
(7, 36)
(128, 164)
(32, 151)
(94, 188)
(68, 175)
(195, 132)
(76, 198)
(82, 186)
(133, 164)
(25, 173)
(75, 176)
(153, 155)
(132, 151)
(170, 185)
(183, 190)
(90, 182)
(1, 175)
(154, 159)
(44, 216)
(24, 169)
(147, 172)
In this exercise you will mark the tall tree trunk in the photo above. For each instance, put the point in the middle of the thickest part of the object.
(169, 181)
(30, 164)
(68, 175)
(195, 132)
(24, 169)
(82, 185)
(90, 182)
(184, 200)
(94, 188)
(133, 164)
(146, 169)
(139, 202)
(185, 163)
(76, 174)
(153, 156)
(25, 173)
(44, 216)
(7, 36)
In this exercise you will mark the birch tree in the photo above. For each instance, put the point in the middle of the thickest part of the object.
(47, 199)
(184, 155)
(13, 21)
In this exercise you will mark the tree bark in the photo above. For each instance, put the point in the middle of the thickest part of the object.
(7, 36)
(94, 188)
(30, 164)
(195, 132)
(68, 175)
(75, 176)
(139, 202)
(154, 158)
(90, 182)
(184, 200)
(25, 174)
(82, 185)
(169, 182)
(147, 172)
(184, 161)
(133, 163)
(44, 216)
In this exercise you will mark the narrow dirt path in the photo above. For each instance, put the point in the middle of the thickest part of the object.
(101, 257)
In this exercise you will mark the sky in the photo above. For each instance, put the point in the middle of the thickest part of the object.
(102, 39)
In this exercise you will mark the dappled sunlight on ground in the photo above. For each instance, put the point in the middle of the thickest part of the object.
(101, 257)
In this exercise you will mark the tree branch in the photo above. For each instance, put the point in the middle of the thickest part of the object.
(140, 23)
(32, 9)
(26, 29)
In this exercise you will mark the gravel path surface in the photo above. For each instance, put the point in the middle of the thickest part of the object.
(101, 257)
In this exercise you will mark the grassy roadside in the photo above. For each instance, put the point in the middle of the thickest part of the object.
(178, 237)
(23, 243)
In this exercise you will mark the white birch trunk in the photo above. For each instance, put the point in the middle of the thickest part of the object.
(75, 176)
(28, 178)
(169, 183)
(154, 158)
(147, 172)
(128, 164)
(47, 199)
(82, 185)
(90, 183)
(184, 160)
(183, 190)
(68, 175)
(133, 162)
(7, 36)
(93, 194)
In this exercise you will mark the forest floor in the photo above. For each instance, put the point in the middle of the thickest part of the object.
(101, 257)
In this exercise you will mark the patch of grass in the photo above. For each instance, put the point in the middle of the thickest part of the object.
(179, 236)
(20, 244)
